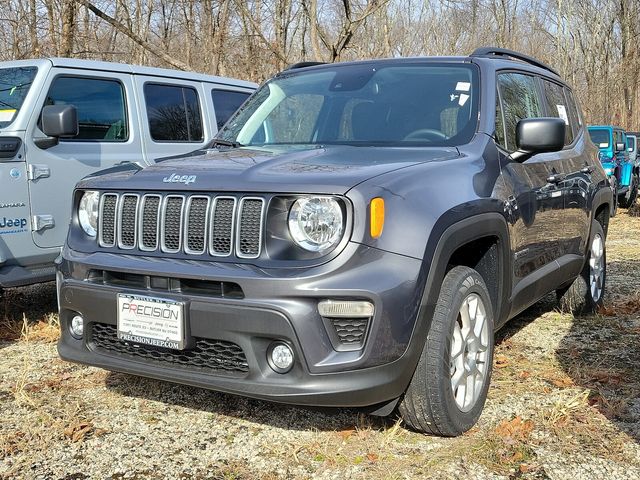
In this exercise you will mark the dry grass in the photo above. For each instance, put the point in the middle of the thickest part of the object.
(561, 384)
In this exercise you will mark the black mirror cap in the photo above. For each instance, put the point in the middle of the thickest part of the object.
(539, 135)
(60, 121)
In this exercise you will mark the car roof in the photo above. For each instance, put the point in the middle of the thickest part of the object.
(80, 64)
(495, 62)
(610, 127)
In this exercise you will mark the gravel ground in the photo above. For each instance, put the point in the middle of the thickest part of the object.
(564, 403)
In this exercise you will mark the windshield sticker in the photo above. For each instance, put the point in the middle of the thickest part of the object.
(463, 99)
(562, 113)
(463, 86)
(12, 225)
(7, 115)
(604, 145)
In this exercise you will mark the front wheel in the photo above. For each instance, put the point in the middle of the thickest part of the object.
(449, 387)
(586, 293)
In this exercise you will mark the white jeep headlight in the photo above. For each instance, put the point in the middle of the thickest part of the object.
(316, 223)
(88, 212)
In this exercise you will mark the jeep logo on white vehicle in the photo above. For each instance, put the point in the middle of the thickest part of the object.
(175, 178)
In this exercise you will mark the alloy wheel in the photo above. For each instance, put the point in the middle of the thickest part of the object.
(596, 267)
(469, 352)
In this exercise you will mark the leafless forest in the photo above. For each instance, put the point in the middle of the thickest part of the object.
(593, 43)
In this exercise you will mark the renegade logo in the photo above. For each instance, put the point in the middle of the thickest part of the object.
(12, 225)
(175, 178)
(149, 311)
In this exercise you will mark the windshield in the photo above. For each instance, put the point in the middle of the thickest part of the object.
(390, 104)
(14, 86)
(600, 137)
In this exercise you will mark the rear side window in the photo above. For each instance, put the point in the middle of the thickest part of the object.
(557, 107)
(100, 104)
(173, 112)
(226, 102)
(519, 100)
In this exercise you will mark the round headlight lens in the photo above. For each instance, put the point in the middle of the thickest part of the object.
(88, 213)
(315, 223)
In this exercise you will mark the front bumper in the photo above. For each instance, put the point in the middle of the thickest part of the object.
(276, 305)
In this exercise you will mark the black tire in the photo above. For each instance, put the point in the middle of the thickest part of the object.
(632, 193)
(429, 404)
(579, 297)
(613, 181)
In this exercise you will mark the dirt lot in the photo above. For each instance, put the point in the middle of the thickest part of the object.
(564, 403)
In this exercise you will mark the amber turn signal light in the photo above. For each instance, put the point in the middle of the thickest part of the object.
(376, 210)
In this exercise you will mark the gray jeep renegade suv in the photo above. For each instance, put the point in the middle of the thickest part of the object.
(354, 237)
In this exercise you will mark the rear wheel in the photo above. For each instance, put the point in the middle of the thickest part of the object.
(449, 387)
(586, 293)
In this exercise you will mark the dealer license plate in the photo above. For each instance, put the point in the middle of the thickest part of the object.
(151, 321)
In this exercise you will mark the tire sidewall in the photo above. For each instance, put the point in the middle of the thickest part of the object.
(463, 421)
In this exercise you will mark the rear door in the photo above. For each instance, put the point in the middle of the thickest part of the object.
(575, 180)
(226, 101)
(107, 117)
(175, 118)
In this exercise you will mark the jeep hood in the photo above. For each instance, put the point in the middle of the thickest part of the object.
(326, 169)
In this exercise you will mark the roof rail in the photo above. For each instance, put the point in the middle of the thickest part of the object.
(303, 65)
(503, 52)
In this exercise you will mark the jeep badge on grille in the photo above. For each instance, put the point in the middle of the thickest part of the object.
(175, 178)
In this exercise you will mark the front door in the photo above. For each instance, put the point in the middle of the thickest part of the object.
(108, 135)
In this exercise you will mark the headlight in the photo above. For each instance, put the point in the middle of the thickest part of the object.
(88, 212)
(315, 223)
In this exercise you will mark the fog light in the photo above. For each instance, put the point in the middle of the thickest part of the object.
(77, 326)
(280, 357)
(345, 308)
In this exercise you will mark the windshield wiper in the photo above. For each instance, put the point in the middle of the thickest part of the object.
(219, 142)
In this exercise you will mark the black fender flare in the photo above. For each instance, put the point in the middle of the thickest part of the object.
(440, 249)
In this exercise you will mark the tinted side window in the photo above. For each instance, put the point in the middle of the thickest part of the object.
(226, 102)
(173, 112)
(557, 106)
(100, 105)
(519, 100)
(574, 112)
(499, 124)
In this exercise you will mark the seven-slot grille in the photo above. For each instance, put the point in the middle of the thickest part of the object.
(194, 224)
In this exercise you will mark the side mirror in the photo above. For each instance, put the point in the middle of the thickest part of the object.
(57, 121)
(620, 147)
(538, 135)
(60, 121)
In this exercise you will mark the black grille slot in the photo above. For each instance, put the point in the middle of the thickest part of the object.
(149, 227)
(108, 220)
(128, 217)
(222, 226)
(172, 224)
(209, 355)
(250, 230)
(350, 331)
(197, 224)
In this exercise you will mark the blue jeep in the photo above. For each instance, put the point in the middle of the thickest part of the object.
(616, 161)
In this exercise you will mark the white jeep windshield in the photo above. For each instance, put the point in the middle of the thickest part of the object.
(384, 104)
(14, 86)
